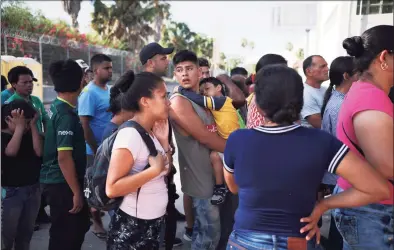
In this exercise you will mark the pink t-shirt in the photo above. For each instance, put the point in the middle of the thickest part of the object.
(362, 96)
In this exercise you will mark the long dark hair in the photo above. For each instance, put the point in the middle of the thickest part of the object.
(118, 90)
(143, 85)
(371, 43)
(281, 103)
(340, 65)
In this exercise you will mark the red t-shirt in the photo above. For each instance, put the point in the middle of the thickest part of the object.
(362, 96)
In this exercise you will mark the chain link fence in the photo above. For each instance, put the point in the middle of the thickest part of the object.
(46, 49)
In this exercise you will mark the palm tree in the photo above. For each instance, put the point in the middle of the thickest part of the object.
(130, 21)
(72, 7)
(180, 36)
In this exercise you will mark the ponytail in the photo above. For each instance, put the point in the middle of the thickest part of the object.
(117, 92)
(327, 96)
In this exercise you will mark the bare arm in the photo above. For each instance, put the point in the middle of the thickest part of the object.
(119, 182)
(368, 187)
(182, 113)
(67, 166)
(37, 139)
(13, 146)
(374, 132)
(88, 133)
(234, 92)
(314, 120)
(230, 181)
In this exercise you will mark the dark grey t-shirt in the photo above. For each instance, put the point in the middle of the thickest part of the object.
(196, 171)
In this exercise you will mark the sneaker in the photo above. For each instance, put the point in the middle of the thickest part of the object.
(177, 242)
(188, 234)
(219, 195)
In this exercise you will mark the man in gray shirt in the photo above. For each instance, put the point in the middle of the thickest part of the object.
(194, 130)
(316, 72)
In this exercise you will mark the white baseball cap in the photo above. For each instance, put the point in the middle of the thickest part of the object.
(82, 64)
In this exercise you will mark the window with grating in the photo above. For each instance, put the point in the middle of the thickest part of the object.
(371, 7)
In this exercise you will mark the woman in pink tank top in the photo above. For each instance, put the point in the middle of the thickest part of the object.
(365, 125)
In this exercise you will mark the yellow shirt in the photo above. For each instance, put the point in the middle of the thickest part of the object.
(249, 99)
(226, 117)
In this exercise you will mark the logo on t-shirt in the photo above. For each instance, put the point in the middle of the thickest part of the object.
(212, 128)
(65, 133)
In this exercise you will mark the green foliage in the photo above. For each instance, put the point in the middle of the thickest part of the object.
(72, 7)
(125, 25)
(128, 22)
(247, 44)
(17, 17)
(180, 36)
(289, 46)
(300, 54)
(234, 62)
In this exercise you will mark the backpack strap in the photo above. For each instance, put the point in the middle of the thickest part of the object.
(149, 143)
(358, 148)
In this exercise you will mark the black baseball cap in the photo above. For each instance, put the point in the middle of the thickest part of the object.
(153, 49)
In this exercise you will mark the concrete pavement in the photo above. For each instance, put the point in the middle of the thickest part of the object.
(41, 238)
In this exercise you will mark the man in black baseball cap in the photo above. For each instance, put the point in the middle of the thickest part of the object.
(154, 58)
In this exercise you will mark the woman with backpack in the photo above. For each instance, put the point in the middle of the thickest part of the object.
(137, 222)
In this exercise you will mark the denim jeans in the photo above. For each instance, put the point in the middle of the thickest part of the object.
(368, 227)
(241, 240)
(206, 230)
(20, 210)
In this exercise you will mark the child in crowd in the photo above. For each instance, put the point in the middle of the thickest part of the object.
(226, 119)
(64, 164)
(21, 151)
(21, 79)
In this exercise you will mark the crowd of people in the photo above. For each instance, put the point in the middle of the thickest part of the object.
(261, 156)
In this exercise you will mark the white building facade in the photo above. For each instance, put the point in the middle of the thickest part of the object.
(337, 20)
(325, 24)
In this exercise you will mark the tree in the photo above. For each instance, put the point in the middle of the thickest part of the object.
(72, 7)
(180, 36)
(128, 21)
(289, 46)
(300, 54)
(234, 62)
(247, 44)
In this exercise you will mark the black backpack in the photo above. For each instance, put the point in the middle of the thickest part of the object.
(96, 175)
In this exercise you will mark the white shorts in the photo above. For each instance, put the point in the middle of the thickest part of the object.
(221, 155)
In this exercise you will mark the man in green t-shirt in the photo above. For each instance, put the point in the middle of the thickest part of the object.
(64, 162)
(21, 79)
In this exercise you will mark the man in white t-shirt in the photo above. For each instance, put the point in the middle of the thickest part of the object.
(316, 72)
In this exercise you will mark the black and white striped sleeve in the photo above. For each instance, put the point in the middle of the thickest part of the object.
(229, 156)
(338, 151)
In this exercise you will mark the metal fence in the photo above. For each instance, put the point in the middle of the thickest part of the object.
(46, 49)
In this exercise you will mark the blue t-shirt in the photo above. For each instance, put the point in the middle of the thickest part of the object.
(5, 95)
(278, 171)
(109, 130)
(94, 102)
